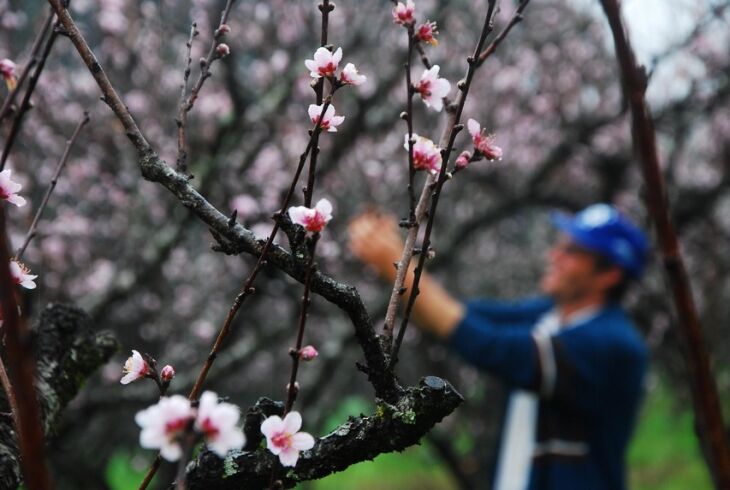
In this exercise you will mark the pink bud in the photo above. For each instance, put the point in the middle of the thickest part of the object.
(427, 32)
(224, 29)
(463, 160)
(308, 353)
(167, 373)
(223, 50)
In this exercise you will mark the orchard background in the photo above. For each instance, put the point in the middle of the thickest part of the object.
(146, 269)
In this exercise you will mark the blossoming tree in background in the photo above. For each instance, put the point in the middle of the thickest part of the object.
(248, 130)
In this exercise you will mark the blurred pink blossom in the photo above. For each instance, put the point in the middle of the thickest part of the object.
(163, 423)
(217, 422)
(9, 189)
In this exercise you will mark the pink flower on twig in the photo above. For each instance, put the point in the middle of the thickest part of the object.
(426, 155)
(433, 89)
(484, 143)
(330, 121)
(312, 219)
(7, 71)
(9, 189)
(325, 63)
(403, 13)
(135, 368)
(426, 32)
(218, 423)
(164, 423)
(284, 439)
(21, 276)
(351, 76)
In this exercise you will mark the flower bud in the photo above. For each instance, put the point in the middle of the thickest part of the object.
(167, 373)
(223, 50)
(308, 353)
(224, 29)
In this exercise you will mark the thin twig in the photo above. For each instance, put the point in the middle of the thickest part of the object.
(446, 138)
(516, 19)
(292, 388)
(182, 114)
(25, 103)
(35, 49)
(410, 92)
(22, 371)
(59, 167)
(10, 393)
(325, 7)
(205, 65)
(454, 129)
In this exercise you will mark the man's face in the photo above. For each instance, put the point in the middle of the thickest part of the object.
(571, 273)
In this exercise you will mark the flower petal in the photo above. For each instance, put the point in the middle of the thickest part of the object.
(289, 457)
(272, 425)
(292, 422)
(302, 441)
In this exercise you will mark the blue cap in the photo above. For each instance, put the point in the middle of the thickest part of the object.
(600, 228)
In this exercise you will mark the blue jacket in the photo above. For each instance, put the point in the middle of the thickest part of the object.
(597, 371)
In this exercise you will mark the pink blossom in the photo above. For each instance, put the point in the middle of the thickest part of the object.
(135, 368)
(20, 274)
(167, 373)
(463, 159)
(403, 14)
(433, 89)
(223, 50)
(9, 189)
(484, 143)
(325, 62)
(307, 353)
(7, 71)
(351, 76)
(217, 422)
(163, 423)
(426, 155)
(426, 33)
(284, 439)
(224, 29)
(312, 219)
(330, 121)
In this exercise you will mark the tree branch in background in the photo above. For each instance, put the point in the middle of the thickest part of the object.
(59, 167)
(708, 413)
(68, 352)
(21, 362)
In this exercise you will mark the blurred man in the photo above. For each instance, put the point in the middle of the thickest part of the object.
(572, 360)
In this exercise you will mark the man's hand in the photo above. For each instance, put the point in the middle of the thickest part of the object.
(376, 240)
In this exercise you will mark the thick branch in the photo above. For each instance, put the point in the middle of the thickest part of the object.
(393, 427)
(68, 352)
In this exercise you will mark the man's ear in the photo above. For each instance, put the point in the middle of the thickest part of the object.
(611, 277)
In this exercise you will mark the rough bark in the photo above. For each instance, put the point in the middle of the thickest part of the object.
(391, 428)
(68, 352)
